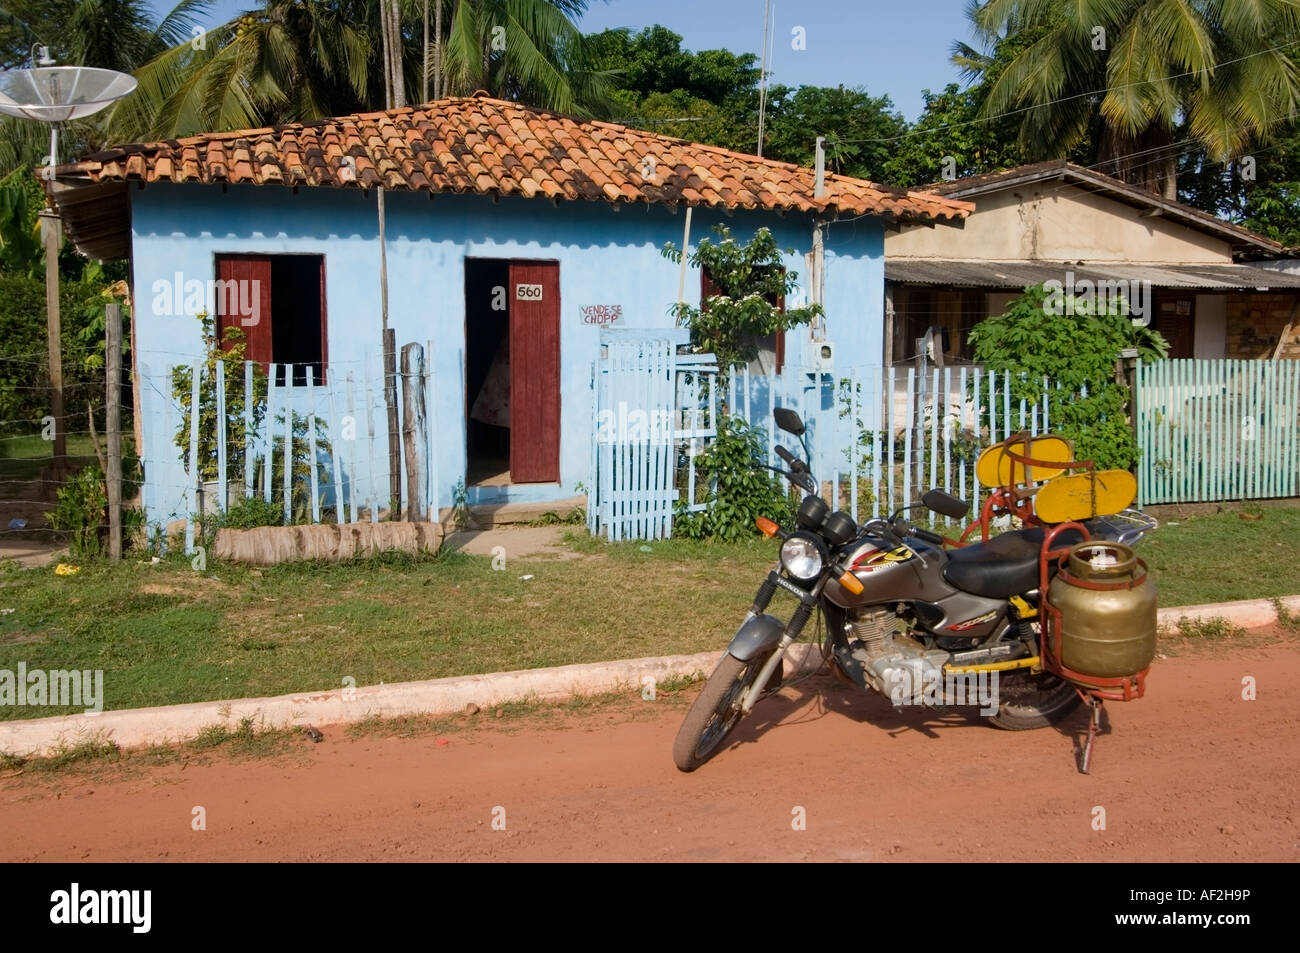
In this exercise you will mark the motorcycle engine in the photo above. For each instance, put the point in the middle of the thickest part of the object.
(895, 665)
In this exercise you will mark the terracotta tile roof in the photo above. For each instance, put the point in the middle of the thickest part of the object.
(492, 147)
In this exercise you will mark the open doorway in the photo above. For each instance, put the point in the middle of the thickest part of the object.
(487, 371)
(512, 371)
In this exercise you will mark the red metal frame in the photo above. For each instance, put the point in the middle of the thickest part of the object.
(1019, 503)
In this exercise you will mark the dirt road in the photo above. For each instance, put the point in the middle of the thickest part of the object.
(1192, 772)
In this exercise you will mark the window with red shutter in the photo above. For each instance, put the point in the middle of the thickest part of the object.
(278, 301)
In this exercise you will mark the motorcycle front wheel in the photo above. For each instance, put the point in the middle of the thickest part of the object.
(716, 711)
(1034, 701)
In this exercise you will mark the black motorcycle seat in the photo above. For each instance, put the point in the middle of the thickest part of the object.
(1004, 566)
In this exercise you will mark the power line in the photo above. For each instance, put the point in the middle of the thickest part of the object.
(1066, 99)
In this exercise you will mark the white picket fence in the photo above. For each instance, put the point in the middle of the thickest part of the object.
(319, 447)
(878, 437)
(881, 436)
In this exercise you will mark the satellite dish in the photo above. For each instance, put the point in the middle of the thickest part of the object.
(60, 93)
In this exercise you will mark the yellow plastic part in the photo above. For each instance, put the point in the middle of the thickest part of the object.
(995, 468)
(1085, 495)
(1007, 666)
(1023, 609)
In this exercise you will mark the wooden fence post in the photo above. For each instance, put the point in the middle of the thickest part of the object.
(112, 425)
(394, 447)
(413, 428)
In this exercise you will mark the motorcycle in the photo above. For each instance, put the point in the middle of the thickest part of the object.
(909, 613)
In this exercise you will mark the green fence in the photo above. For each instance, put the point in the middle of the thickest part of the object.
(1218, 430)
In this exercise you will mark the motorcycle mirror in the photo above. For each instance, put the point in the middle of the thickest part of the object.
(788, 420)
(945, 504)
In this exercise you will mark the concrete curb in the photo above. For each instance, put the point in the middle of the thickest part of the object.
(139, 727)
(1248, 613)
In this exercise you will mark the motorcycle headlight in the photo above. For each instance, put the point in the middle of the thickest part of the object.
(802, 557)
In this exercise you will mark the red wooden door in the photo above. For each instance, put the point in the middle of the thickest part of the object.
(1176, 320)
(534, 372)
(244, 301)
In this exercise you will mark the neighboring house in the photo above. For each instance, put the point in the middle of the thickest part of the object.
(1053, 221)
(512, 236)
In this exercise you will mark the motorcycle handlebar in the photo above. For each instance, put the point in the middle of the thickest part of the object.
(785, 455)
(926, 535)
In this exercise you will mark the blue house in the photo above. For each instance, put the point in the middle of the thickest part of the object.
(512, 239)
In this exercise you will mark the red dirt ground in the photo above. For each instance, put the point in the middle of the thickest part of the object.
(1191, 772)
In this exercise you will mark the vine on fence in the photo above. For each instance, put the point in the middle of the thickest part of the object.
(739, 491)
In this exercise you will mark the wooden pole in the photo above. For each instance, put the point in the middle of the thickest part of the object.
(394, 435)
(686, 248)
(390, 372)
(762, 75)
(51, 232)
(113, 425)
(413, 427)
(424, 73)
(919, 422)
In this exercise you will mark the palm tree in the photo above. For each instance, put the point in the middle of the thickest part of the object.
(111, 34)
(290, 61)
(529, 50)
(1132, 75)
(298, 60)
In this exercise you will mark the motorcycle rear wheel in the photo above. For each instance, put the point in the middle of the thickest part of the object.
(716, 710)
(1036, 701)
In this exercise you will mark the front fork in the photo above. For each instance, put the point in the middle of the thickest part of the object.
(807, 603)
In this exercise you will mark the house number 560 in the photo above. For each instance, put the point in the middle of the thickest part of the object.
(528, 292)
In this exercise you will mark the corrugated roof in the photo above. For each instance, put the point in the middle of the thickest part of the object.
(1017, 275)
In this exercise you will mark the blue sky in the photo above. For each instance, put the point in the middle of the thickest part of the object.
(894, 47)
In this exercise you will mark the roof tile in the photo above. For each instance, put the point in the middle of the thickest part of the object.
(489, 146)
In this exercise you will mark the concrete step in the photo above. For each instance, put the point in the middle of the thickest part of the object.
(487, 515)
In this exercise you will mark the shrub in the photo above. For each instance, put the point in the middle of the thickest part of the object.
(251, 512)
(80, 511)
(1072, 351)
(740, 492)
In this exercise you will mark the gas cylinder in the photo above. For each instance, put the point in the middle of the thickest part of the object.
(1107, 603)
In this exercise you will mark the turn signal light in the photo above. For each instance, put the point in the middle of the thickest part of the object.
(767, 527)
(852, 583)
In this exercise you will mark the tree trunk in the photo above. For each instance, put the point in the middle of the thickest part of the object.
(438, 90)
(388, 60)
(1147, 160)
(399, 80)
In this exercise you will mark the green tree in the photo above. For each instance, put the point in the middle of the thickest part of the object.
(121, 35)
(737, 490)
(950, 126)
(299, 60)
(751, 279)
(862, 131)
(1123, 75)
(707, 96)
(1076, 351)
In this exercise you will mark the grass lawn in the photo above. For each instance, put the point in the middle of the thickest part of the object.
(165, 634)
(1222, 557)
(22, 457)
